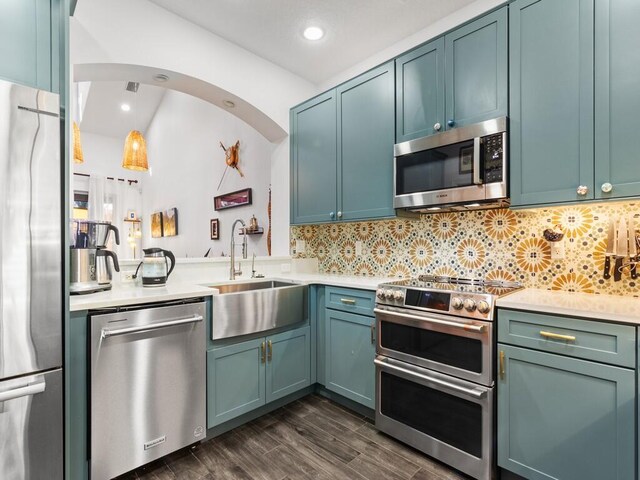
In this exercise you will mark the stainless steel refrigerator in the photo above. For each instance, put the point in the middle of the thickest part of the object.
(31, 438)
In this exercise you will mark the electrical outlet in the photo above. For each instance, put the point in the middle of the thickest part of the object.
(285, 267)
(301, 246)
(358, 247)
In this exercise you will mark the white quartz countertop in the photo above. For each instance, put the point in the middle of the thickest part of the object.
(121, 295)
(611, 308)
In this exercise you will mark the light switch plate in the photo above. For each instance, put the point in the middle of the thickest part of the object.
(358, 247)
(301, 246)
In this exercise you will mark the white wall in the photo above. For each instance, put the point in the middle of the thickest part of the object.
(141, 33)
(187, 163)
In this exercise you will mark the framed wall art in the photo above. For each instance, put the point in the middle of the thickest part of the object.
(170, 222)
(233, 199)
(156, 225)
(215, 229)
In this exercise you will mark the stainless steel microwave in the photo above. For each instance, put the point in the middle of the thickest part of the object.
(460, 169)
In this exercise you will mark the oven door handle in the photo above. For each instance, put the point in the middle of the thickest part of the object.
(467, 327)
(476, 392)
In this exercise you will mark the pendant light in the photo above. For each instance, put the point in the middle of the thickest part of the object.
(135, 147)
(78, 157)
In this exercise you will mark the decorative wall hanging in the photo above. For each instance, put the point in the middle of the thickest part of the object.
(231, 159)
(170, 223)
(215, 229)
(233, 199)
(156, 225)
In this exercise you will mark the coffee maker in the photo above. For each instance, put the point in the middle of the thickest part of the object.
(90, 268)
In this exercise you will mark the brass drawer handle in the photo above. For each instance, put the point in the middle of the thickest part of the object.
(557, 336)
(502, 370)
(269, 350)
(373, 333)
(348, 301)
(263, 356)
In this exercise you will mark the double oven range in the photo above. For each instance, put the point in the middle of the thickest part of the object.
(435, 368)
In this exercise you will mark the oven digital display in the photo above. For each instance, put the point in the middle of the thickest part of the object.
(432, 300)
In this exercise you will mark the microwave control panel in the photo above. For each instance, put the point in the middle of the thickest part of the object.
(493, 152)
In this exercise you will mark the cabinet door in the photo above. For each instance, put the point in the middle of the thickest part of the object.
(313, 156)
(563, 418)
(25, 42)
(551, 93)
(288, 363)
(476, 70)
(617, 98)
(235, 380)
(420, 91)
(366, 131)
(350, 350)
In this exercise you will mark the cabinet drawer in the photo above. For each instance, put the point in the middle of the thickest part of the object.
(350, 300)
(588, 339)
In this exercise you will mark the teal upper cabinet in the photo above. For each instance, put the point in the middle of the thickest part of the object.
(454, 80)
(337, 139)
(476, 70)
(551, 120)
(564, 418)
(617, 98)
(314, 160)
(420, 91)
(366, 130)
(556, 51)
(28, 43)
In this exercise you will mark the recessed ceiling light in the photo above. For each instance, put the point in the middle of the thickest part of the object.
(160, 77)
(313, 33)
(228, 103)
(125, 107)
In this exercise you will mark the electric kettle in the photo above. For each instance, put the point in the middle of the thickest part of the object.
(155, 268)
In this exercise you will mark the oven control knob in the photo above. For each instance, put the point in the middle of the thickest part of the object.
(469, 305)
(380, 293)
(388, 294)
(398, 295)
(456, 302)
(483, 307)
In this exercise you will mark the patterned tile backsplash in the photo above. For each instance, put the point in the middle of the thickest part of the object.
(495, 244)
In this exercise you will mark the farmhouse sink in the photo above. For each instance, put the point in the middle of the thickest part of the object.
(243, 308)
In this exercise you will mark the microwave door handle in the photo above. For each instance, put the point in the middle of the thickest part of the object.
(476, 161)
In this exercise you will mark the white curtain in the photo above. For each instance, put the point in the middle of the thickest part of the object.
(110, 201)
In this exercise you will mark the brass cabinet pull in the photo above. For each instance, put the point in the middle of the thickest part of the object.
(263, 357)
(373, 333)
(269, 350)
(557, 336)
(348, 301)
(502, 370)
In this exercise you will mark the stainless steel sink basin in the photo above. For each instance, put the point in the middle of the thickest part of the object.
(243, 308)
(250, 286)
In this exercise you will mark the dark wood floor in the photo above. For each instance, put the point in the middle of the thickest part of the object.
(312, 438)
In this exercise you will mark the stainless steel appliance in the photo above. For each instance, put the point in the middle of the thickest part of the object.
(148, 379)
(31, 288)
(90, 271)
(155, 268)
(434, 368)
(460, 169)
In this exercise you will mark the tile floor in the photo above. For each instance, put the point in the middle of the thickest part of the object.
(313, 438)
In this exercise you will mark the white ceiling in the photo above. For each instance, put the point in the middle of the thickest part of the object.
(102, 113)
(354, 29)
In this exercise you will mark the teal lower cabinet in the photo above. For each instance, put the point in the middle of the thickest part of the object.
(288, 363)
(565, 418)
(244, 376)
(349, 353)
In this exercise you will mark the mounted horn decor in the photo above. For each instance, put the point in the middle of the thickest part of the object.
(231, 159)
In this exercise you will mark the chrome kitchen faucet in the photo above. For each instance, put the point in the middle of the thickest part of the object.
(232, 269)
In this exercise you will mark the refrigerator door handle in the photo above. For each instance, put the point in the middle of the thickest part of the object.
(22, 391)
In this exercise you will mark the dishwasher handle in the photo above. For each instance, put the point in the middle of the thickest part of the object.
(106, 332)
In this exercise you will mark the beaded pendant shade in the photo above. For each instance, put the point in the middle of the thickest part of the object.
(135, 152)
(78, 157)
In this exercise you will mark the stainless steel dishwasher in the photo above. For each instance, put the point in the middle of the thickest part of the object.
(148, 378)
